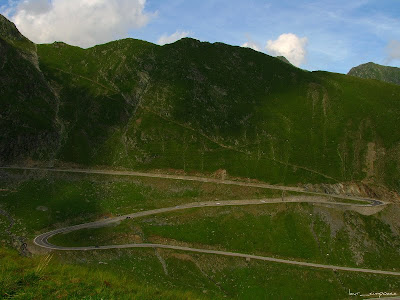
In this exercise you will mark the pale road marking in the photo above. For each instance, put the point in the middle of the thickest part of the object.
(42, 240)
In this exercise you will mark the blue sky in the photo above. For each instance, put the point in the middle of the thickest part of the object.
(332, 35)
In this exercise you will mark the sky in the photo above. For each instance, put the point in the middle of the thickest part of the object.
(331, 35)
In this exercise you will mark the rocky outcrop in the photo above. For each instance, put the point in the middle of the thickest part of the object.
(357, 189)
(16, 241)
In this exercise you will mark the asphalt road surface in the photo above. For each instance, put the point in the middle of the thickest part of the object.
(42, 240)
(374, 202)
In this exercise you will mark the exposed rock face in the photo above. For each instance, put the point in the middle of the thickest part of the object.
(220, 174)
(374, 71)
(18, 242)
(9, 31)
(284, 59)
(355, 189)
(42, 208)
(28, 105)
(10, 34)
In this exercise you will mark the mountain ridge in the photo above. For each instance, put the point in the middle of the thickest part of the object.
(198, 106)
(9, 30)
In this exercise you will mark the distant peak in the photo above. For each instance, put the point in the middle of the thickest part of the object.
(372, 70)
(187, 41)
(372, 64)
(57, 44)
(368, 64)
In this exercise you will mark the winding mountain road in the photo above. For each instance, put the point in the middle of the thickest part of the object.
(42, 240)
(374, 202)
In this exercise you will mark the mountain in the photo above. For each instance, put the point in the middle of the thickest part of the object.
(374, 71)
(196, 106)
(28, 117)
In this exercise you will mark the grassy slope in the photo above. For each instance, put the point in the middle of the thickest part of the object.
(234, 278)
(201, 106)
(74, 198)
(139, 275)
(23, 278)
(294, 231)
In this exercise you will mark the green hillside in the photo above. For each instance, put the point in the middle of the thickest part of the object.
(374, 71)
(40, 201)
(197, 106)
(192, 108)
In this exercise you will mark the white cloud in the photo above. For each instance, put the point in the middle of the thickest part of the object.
(8, 9)
(393, 50)
(290, 46)
(79, 22)
(252, 45)
(168, 39)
